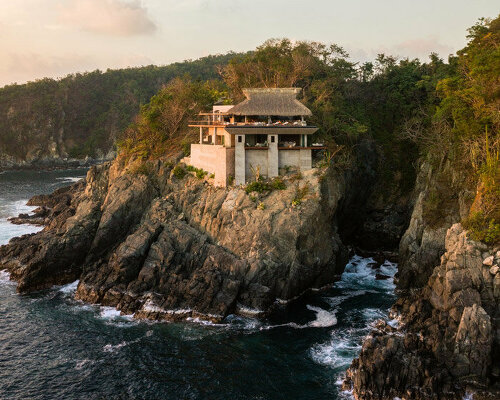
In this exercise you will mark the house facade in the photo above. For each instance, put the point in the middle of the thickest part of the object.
(266, 133)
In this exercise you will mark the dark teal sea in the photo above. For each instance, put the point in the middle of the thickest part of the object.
(53, 347)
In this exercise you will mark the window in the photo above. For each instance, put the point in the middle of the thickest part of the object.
(272, 139)
(239, 139)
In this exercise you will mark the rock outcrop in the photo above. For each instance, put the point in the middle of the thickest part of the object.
(448, 339)
(441, 198)
(164, 248)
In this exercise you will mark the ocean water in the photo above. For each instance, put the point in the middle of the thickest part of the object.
(53, 347)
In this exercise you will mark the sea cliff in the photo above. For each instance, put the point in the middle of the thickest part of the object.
(447, 338)
(164, 247)
(160, 247)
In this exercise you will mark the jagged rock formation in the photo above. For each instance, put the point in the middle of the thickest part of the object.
(164, 248)
(449, 333)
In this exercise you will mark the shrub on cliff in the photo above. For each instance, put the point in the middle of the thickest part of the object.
(469, 106)
(278, 184)
(482, 228)
(179, 172)
(257, 186)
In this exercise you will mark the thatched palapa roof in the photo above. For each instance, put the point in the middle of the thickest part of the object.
(271, 101)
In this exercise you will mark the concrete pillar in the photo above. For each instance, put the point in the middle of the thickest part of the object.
(227, 139)
(305, 140)
(214, 136)
(272, 156)
(239, 160)
(201, 135)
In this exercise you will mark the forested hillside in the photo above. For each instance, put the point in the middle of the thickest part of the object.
(442, 112)
(81, 114)
(436, 112)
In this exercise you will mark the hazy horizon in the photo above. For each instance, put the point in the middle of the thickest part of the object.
(42, 38)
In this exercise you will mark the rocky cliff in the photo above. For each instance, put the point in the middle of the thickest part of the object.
(446, 340)
(448, 337)
(441, 197)
(161, 247)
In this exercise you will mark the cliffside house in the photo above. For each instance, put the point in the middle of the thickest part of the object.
(267, 131)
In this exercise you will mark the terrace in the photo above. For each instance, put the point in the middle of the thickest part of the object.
(285, 142)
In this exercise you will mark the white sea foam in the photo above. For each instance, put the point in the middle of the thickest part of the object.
(9, 230)
(359, 279)
(4, 276)
(323, 319)
(80, 364)
(240, 322)
(346, 394)
(358, 275)
(70, 178)
(20, 207)
(113, 317)
(394, 323)
(109, 313)
(70, 288)
(109, 348)
(5, 279)
(200, 321)
(337, 300)
(338, 351)
(373, 314)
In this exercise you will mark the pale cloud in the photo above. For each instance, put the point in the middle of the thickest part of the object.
(422, 47)
(110, 17)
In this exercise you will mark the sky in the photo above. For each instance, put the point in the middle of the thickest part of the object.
(52, 38)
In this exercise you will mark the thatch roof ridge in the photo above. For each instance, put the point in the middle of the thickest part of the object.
(271, 101)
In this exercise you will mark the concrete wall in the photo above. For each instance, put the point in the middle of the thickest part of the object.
(305, 159)
(214, 159)
(254, 158)
(289, 158)
(298, 158)
(229, 164)
(237, 162)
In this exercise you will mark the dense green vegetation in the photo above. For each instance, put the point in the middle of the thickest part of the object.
(84, 113)
(160, 127)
